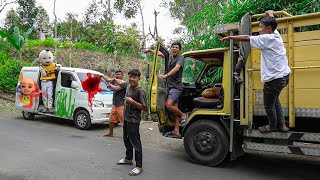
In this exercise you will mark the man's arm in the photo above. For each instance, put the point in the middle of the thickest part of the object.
(153, 51)
(239, 38)
(115, 88)
(245, 37)
(136, 104)
(172, 72)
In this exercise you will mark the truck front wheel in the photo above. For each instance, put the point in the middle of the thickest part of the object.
(206, 143)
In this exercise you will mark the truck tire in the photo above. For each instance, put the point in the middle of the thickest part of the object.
(206, 143)
(27, 115)
(82, 120)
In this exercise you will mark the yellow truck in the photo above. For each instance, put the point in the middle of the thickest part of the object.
(221, 128)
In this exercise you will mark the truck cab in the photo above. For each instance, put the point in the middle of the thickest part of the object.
(220, 128)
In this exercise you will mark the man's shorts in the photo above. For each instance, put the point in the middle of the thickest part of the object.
(116, 114)
(174, 94)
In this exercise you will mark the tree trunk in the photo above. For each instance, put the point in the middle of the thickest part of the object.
(55, 29)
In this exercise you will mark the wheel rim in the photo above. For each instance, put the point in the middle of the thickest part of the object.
(26, 114)
(81, 120)
(205, 143)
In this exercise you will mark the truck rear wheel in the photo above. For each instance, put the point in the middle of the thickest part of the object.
(27, 115)
(206, 143)
(82, 120)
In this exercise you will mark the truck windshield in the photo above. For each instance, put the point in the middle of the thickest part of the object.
(103, 85)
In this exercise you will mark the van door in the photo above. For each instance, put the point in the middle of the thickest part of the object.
(28, 91)
(158, 88)
(65, 95)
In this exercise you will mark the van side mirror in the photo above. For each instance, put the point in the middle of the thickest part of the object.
(74, 84)
(148, 72)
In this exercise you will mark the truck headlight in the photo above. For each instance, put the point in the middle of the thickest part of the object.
(98, 104)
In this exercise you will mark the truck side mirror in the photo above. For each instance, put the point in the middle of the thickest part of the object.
(74, 84)
(148, 72)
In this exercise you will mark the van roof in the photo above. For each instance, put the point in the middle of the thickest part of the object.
(36, 68)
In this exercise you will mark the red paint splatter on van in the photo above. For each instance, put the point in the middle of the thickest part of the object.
(91, 85)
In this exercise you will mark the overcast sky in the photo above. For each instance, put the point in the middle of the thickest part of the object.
(165, 23)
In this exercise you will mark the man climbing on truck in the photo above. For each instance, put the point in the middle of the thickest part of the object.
(274, 69)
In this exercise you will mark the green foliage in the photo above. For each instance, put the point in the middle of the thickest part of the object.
(17, 40)
(48, 42)
(12, 19)
(128, 7)
(9, 74)
(212, 76)
(3, 56)
(200, 18)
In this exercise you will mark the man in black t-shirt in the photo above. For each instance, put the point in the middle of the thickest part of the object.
(135, 101)
(174, 86)
(117, 111)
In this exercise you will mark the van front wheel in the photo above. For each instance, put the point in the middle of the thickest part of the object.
(82, 120)
(206, 143)
(27, 115)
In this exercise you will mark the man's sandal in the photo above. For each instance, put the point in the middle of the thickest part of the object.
(266, 129)
(124, 162)
(135, 171)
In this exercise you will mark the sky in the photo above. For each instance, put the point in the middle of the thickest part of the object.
(165, 23)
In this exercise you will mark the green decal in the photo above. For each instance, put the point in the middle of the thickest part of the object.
(62, 110)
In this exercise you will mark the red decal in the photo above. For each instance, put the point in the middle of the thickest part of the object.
(91, 85)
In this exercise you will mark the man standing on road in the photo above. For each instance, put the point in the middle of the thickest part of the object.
(116, 114)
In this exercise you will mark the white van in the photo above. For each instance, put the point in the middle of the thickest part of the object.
(70, 100)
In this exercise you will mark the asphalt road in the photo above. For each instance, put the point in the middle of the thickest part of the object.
(53, 149)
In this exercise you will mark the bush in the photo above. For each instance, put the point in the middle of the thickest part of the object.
(9, 74)
(3, 56)
(48, 42)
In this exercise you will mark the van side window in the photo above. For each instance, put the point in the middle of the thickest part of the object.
(66, 79)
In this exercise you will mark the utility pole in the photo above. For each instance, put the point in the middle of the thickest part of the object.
(55, 29)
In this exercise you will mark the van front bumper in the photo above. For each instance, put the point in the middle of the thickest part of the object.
(100, 115)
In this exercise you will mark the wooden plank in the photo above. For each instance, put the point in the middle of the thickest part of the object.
(307, 53)
(307, 79)
(307, 43)
(315, 20)
(307, 35)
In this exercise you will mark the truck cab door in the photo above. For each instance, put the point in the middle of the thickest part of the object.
(158, 94)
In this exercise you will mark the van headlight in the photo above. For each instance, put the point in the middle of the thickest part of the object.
(98, 104)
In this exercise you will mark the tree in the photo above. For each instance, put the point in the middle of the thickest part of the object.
(12, 19)
(4, 3)
(42, 19)
(93, 13)
(28, 12)
(17, 40)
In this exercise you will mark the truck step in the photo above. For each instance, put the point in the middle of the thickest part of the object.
(290, 135)
(288, 149)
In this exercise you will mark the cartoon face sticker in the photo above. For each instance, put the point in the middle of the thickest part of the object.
(27, 91)
(27, 86)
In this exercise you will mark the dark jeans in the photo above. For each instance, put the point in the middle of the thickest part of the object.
(271, 92)
(131, 139)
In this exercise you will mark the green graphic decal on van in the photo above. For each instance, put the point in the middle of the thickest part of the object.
(62, 109)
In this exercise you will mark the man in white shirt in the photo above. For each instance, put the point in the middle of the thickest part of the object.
(274, 69)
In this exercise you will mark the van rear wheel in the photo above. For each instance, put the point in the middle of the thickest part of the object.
(27, 115)
(82, 120)
(206, 143)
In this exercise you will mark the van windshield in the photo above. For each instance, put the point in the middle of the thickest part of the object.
(103, 85)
